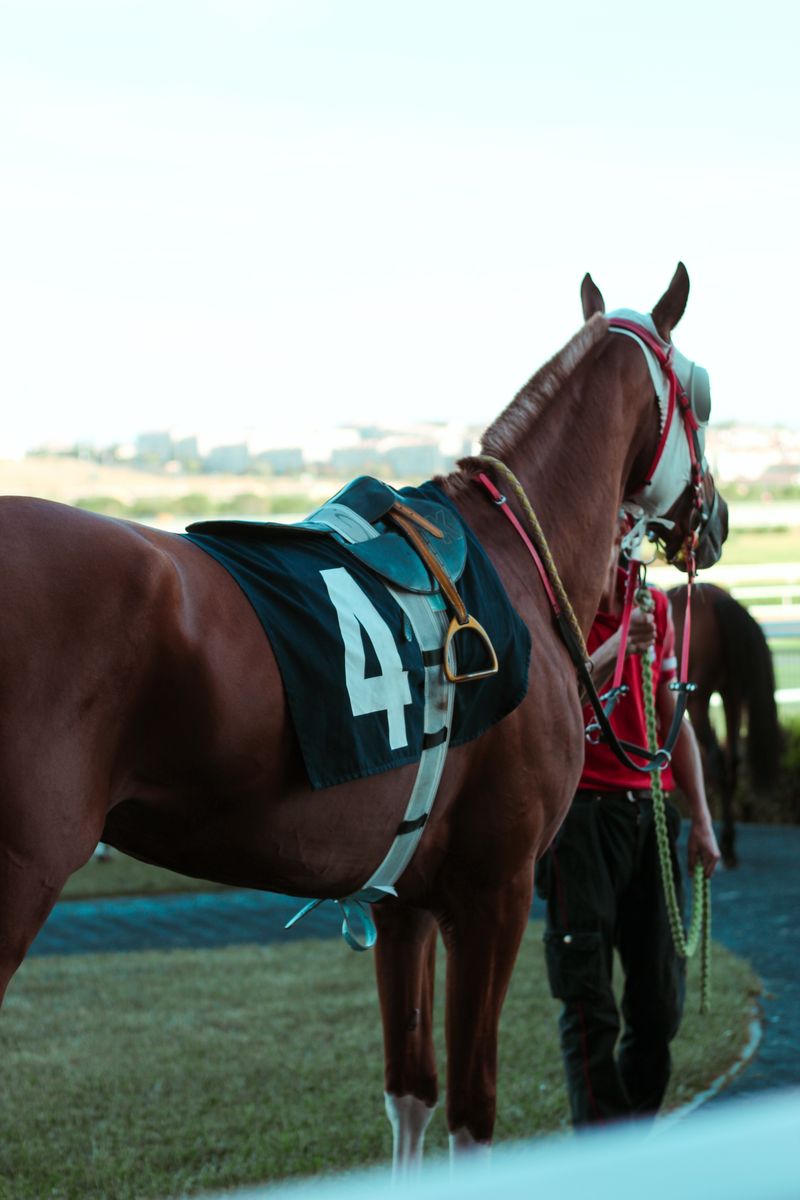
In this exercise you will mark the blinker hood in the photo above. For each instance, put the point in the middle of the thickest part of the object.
(693, 379)
(695, 383)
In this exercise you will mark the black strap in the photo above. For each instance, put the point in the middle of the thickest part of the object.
(412, 826)
(433, 658)
(429, 740)
(654, 761)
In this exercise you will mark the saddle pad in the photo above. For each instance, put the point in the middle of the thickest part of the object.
(351, 668)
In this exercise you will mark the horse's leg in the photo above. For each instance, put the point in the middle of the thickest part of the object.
(730, 779)
(706, 737)
(405, 956)
(715, 765)
(48, 828)
(482, 932)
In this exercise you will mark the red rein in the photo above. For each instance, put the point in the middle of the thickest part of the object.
(500, 500)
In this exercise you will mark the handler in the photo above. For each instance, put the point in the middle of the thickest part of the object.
(601, 880)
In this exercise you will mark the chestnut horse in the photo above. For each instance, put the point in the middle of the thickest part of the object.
(729, 655)
(141, 704)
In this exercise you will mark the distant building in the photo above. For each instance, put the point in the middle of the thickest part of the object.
(417, 460)
(288, 461)
(782, 474)
(155, 447)
(230, 460)
(363, 459)
(751, 453)
(395, 457)
(186, 449)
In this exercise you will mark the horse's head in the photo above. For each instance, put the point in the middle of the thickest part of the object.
(675, 502)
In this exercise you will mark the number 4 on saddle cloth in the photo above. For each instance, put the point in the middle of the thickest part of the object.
(358, 622)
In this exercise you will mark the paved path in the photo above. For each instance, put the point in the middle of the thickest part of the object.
(184, 920)
(756, 913)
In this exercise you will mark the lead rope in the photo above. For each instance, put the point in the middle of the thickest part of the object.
(700, 924)
(701, 889)
(541, 545)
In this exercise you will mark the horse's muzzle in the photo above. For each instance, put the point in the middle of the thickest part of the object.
(709, 547)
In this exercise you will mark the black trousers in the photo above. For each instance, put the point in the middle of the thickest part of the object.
(601, 880)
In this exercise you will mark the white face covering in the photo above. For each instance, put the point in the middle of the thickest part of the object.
(673, 472)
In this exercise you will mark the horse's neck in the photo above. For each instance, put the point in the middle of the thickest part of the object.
(572, 461)
(574, 484)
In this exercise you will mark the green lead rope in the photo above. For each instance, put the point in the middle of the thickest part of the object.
(700, 925)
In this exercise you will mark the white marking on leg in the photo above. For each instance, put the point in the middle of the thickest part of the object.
(409, 1118)
(463, 1146)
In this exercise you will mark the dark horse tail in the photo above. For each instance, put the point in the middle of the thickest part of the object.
(750, 669)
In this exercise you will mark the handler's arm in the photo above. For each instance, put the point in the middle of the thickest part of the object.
(641, 636)
(687, 768)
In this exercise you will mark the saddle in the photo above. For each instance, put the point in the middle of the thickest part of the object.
(420, 547)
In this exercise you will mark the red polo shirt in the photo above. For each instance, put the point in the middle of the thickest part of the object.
(602, 770)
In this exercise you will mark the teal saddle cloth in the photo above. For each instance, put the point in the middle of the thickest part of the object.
(341, 692)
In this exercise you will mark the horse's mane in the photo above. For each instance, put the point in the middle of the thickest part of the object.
(505, 432)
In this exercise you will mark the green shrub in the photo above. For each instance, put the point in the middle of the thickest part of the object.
(193, 504)
(289, 505)
(789, 782)
(249, 504)
(107, 506)
(781, 806)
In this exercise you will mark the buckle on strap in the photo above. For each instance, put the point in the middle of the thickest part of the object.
(358, 927)
(457, 626)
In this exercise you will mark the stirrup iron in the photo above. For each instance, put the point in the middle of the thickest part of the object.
(457, 626)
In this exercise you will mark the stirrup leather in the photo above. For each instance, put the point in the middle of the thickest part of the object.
(409, 521)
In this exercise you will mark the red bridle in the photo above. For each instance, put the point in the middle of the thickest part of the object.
(677, 396)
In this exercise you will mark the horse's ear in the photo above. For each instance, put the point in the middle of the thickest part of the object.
(591, 297)
(670, 307)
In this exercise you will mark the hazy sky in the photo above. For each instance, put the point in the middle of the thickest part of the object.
(274, 213)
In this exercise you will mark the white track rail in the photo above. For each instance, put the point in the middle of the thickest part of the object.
(742, 1150)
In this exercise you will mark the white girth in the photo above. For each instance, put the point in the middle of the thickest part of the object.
(429, 625)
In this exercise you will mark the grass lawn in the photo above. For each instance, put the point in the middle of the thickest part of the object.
(132, 1076)
(786, 662)
(745, 546)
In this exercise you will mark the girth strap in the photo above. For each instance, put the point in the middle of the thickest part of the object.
(428, 626)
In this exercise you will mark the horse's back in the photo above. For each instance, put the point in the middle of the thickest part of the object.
(140, 676)
(78, 589)
(99, 589)
(115, 632)
(136, 673)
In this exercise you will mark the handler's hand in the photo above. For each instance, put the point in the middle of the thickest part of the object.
(703, 848)
(642, 632)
